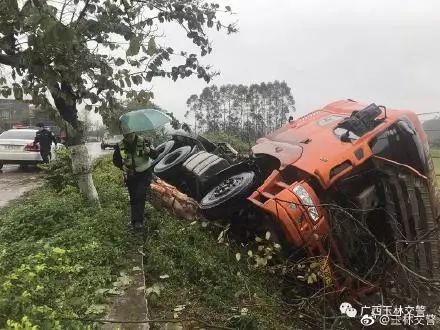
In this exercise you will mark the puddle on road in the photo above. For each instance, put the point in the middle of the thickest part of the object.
(15, 182)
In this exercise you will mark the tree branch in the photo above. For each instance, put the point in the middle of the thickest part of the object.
(82, 12)
(66, 2)
(10, 60)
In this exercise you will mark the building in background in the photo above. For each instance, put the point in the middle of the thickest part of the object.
(12, 113)
(15, 114)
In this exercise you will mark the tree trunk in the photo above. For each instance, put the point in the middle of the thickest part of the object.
(66, 101)
(81, 165)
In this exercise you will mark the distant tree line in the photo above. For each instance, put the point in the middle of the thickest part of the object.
(432, 128)
(248, 112)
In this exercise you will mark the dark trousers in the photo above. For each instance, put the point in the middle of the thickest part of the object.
(45, 154)
(137, 185)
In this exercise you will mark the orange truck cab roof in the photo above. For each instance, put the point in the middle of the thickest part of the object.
(313, 143)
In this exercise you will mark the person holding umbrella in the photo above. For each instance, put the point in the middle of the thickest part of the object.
(133, 156)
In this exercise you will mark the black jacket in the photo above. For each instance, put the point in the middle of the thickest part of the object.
(45, 138)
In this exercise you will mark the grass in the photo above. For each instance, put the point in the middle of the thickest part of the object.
(241, 145)
(57, 254)
(59, 257)
(197, 274)
(436, 153)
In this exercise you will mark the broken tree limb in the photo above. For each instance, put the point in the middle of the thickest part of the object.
(168, 196)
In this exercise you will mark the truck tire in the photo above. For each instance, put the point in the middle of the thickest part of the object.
(228, 196)
(1, 166)
(205, 164)
(163, 149)
(199, 169)
(405, 222)
(417, 222)
(169, 165)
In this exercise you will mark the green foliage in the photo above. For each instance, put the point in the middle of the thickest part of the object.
(59, 173)
(57, 253)
(24, 324)
(242, 146)
(189, 271)
(72, 51)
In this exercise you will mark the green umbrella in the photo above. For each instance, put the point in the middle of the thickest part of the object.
(142, 120)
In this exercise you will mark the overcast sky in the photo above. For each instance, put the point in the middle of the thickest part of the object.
(383, 51)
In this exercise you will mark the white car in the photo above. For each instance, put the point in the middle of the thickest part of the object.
(16, 147)
(111, 142)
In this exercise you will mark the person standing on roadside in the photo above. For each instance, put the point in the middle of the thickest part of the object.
(133, 156)
(45, 138)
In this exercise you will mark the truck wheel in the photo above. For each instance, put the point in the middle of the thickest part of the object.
(201, 167)
(163, 149)
(169, 165)
(228, 196)
(1, 166)
(205, 164)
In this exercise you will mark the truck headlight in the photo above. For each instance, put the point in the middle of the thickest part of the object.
(305, 198)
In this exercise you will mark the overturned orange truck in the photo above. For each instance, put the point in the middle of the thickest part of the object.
(350, 182)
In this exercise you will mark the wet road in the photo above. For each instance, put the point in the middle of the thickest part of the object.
(15, 181)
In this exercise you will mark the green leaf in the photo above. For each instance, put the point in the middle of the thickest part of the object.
(152, 48)
(136, 80)
(101, 291)
(135, 45)
(115, 292)
(91, 9)
(6, 92)
(119, 61)
(179, 308)
(312, 278)
(95, 309)
(18, 92)
(155, 289)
